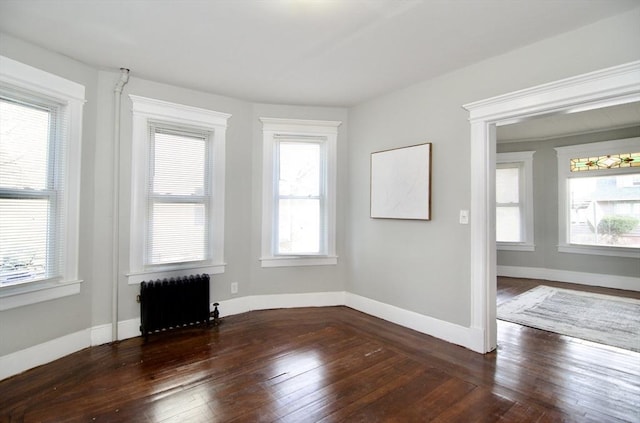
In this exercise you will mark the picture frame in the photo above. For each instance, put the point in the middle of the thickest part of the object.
(401, 183)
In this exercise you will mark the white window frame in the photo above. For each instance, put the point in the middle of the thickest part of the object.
(70, 97)
(146, 112)
(524, 161)
(273, 130)
(565, 154)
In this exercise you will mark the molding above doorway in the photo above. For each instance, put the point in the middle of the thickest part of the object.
(608, 87)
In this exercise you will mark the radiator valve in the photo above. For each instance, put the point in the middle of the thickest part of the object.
(215, 314)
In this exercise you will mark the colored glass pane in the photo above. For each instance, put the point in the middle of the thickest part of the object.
(610, 161)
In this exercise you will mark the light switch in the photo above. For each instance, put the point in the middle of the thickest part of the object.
(464, 217)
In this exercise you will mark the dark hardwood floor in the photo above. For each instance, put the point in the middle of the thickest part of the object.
(330, 364)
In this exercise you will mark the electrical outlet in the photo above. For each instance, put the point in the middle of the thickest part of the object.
(234, 287)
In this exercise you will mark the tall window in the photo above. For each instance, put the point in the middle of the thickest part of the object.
(179, 196)
(39, 179)
(177, 224)
(514, 201)
(29, 246)
(299, 192)
(599, 188)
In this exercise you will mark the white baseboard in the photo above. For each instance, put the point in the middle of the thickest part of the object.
(37, 355)
(101, 334)
(450, 332)
(129, 329)
(234, 306)
(591, 279)
(20, 361)
(266, 302)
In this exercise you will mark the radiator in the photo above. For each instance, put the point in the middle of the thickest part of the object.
(173, 303)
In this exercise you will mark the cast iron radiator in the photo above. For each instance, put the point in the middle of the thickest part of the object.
(173, 303)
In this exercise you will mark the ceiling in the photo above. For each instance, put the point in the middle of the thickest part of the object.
(307, 52)
(561, 124)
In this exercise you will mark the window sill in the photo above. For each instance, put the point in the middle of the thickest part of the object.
(36, 292)
(135, 278)
(292, 261)
(600, 250)
(515, 246)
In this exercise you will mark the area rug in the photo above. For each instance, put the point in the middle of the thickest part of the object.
(599, 318)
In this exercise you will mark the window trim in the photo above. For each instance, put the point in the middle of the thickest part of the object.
(564, 154)
(526, 199)
(146, 112)
(71, 97)
(273, 129)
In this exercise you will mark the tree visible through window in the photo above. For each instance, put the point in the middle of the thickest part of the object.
(605, 210)
(599, 197)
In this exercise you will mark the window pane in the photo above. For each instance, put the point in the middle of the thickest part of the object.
(178, 233)
(24, 143)
(23, 239)
(605, 210)
(179, 164)
(299, 227)
(508, 224)
(299, 169)
(507, 185)
(508, 219)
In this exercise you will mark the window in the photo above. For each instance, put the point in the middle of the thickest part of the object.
(299, 205)
(40, 136)
(177, 223)
(514, 201)
(299, 188)
(179, 196)
(599, 197)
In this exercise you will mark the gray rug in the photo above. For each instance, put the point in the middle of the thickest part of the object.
(599, 318)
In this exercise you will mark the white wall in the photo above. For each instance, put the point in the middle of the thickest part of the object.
(424, 266)
(417, 266)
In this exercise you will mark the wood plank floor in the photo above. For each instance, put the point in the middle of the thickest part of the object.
(330, 364)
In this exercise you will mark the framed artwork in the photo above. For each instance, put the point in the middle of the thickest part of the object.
(401, 183)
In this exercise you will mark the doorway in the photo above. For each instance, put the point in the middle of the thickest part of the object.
(608, 87)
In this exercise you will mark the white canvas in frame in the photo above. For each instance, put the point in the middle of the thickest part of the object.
(401, 183)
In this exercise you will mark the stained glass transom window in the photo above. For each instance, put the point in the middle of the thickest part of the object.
(610, 161)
